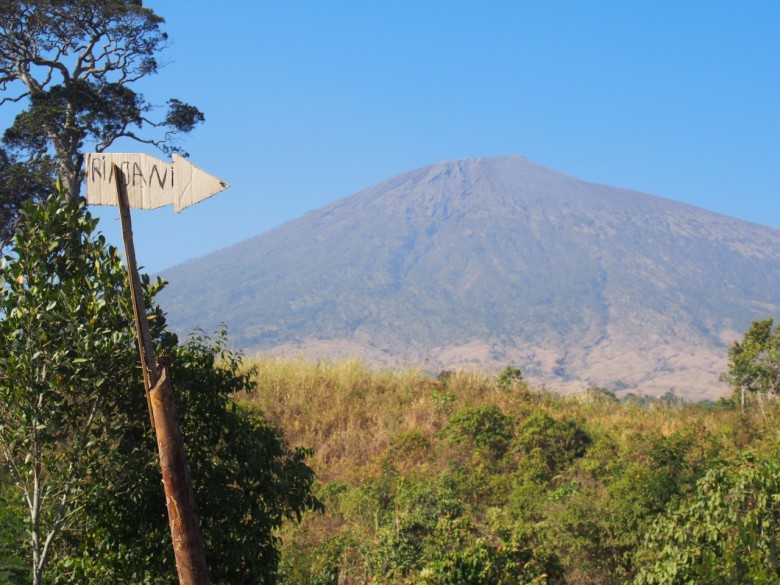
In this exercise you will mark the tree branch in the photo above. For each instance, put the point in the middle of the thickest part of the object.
(15, 472)
(58, 524)
(14, 99)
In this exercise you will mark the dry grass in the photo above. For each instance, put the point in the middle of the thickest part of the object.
(351, 414)
(345, 411)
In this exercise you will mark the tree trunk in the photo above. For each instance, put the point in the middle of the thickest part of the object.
(69, 163)
(72, 183)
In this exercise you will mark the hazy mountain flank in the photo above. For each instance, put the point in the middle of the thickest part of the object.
(484, 262)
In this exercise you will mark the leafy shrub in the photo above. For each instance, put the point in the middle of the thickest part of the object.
(727, 532)
(326, 568)
(419, 506)
(409, 448)
(485, 428)
(549, 444)
(509, 377)
(13, 568)
(459, 554)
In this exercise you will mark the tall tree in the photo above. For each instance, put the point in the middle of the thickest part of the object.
(63, 339)
(72, 63)
(754, 362)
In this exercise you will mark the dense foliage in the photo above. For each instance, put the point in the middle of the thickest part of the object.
(81, 495)
(467, 480)
(63, 349)
(727, 531)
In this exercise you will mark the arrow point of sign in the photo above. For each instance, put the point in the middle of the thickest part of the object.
(191, 184)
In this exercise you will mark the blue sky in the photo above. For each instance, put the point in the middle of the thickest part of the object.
(310, 101)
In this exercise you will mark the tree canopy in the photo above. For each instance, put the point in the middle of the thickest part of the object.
(72, 64)
(754, 361)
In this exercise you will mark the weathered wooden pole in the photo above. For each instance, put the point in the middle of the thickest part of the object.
(180, 501)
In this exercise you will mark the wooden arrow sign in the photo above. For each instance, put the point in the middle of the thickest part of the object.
(150, 182)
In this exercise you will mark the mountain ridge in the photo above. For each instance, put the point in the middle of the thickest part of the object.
(481, 262)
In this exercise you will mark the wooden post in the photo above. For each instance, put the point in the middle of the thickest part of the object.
(142, 334)
(180, 501)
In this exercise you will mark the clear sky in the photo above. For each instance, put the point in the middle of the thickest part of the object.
(310, 101)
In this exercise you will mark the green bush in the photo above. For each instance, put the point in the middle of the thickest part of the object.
(326, 568)
(409, 448)
(509, 377)
(458, 553)
(549, 445)
(484, 428)
(728, 531)
(13, 568)
(418, 508)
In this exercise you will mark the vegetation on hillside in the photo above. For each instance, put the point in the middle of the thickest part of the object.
(459, 479)
(470, 479)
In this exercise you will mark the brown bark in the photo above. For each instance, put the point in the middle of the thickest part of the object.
(187, 544)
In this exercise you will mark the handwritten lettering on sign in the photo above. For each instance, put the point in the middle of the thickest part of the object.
(150, 182)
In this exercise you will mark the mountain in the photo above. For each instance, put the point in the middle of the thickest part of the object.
(484, 262)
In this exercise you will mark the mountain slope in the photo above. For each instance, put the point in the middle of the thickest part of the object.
(481, 262)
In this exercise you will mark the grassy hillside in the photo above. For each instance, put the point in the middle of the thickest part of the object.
(467, 478)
